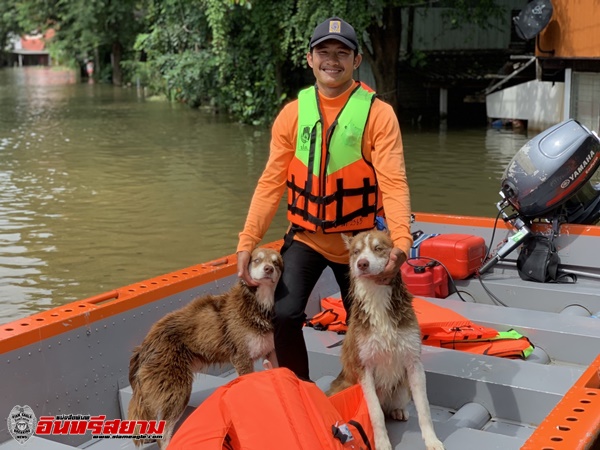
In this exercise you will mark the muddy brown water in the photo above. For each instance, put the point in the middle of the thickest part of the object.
(101, 187)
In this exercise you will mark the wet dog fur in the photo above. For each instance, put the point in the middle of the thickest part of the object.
(382, 348)
(234, 327)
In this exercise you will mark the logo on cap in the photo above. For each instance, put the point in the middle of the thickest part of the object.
(335, 26)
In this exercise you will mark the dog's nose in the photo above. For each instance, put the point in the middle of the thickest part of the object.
(269, 270)
(363, 263)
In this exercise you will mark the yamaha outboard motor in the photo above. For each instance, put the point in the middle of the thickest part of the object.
(550, 178)
(550, 175)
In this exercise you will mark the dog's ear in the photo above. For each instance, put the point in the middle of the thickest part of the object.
(347, 240)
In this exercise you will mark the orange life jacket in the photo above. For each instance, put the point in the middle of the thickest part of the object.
(443, 324)
(440, 327)
(331, 318)
(507, 344)
(330, 184)
(274, 410)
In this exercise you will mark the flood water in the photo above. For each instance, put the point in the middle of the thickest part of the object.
(101, 187)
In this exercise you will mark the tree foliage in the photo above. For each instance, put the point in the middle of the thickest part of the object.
(223, 54)
(100, 30)
(173, 54)
(236, 56)
(9, 25)
(379, 28)
(247, 41)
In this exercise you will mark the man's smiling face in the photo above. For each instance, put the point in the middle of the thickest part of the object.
(333, 64)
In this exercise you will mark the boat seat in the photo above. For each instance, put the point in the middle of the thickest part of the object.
(504, 394)
(124, 444)
(204, 385)
(511, 391)
(546, 330)
(505, 283)
(469, 439)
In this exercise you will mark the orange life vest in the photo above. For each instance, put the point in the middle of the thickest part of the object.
(507, 344)
(443, 324)
(274, 410)
(330, 184)
(331, 318)
(440, 327)
(322, 320)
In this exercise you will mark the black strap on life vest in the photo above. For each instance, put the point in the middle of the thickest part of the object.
(343, 436)
(288, 238)
(341, 192)
(227, 443)
(311, 163)
(362, 433)
(322, 320)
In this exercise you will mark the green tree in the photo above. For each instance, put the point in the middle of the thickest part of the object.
(174, 53)
(378, 24)
(86, 29)
(248, 43)
(229, 55)
(9, 25)
(240, 57)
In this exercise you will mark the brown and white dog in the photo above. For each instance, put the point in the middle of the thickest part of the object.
(382, 348)
(234, 327)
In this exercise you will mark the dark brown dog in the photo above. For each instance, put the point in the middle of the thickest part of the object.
(234, 327)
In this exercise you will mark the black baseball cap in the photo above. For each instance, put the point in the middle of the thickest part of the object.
(335, 28)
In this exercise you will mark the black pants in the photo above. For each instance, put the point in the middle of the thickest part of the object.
(302, 267)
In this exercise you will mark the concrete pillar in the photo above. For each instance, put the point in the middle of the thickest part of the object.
(443, 103)
(567, 94)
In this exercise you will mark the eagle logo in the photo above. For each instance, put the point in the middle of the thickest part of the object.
(21, 423)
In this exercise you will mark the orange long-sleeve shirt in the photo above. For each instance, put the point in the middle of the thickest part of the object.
(382, 146)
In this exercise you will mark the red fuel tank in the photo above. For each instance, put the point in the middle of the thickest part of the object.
(462, 254)
(424, 279)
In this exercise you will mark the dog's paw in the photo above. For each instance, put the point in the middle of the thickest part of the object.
(399, 414)
(434, 444)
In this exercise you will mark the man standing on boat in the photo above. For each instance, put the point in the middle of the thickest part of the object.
(338, 150)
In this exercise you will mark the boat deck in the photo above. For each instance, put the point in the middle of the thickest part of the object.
(74, 359)
(477, 401)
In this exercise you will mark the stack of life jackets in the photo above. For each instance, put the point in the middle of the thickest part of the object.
(331, 318)
(440, 327)
(274, 410)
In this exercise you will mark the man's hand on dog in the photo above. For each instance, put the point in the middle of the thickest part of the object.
(243, 274)
(397, 258)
